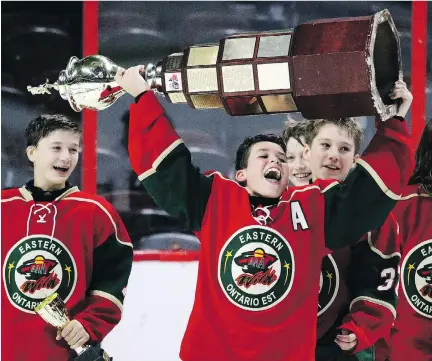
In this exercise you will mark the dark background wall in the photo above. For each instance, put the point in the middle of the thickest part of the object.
(38, 38)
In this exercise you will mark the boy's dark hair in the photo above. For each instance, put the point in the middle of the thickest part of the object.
(423, 160)
(243, 151)
(350, 125)
(295, 129)
(45, 124)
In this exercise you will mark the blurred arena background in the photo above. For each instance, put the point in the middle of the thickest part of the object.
(38, 38)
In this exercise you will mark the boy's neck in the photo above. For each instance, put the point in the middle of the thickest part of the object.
(263, 201)
(48, 188)
(40, 194)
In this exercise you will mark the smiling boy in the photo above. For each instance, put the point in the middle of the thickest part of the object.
(258, 230)
(56, 238)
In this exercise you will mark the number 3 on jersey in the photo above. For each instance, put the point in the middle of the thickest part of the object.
(389, 275)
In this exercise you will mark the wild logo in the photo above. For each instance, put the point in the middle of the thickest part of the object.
(329, 284)
(36, 267)
(417, 278)
(256, 268)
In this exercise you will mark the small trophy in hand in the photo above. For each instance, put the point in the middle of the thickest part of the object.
(53, 310)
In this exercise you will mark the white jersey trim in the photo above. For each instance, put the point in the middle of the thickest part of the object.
(376, 301)
(378, 252)
(106, 212)
(160, 158)
(387, 191)
(109, 297)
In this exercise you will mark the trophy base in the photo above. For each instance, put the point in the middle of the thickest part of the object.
(93, 353)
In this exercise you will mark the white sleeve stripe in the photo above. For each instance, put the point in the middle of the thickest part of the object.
(300, 191)
(146, 174)
(378, 252)
(378, 180)
(16, 198)
(106, 212)
(26, 194)
(160, 158)
(376, 301)
(415, 195)
(109, 297)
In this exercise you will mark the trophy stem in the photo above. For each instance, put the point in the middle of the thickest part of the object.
(153, 76)
(79, 350)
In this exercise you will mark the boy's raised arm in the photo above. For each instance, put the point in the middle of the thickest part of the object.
(160, 158)
(369, 193)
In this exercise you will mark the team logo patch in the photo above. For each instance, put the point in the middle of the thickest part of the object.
(173, 81)
(256, 268)
(417, 278)
(329, 284)
(36, 267)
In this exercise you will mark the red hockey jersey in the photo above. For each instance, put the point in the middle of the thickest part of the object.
(75, 245)
(412, 332)
(362, 277)
(257, 287)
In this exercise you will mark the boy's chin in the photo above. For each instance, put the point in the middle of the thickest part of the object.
(57, 182)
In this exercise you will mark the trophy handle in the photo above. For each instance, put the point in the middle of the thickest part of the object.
(71, 65)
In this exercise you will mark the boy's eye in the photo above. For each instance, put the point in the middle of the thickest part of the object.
(73, 151)
(263, 156)
(325, 145)
(56, 148)
(282, 160)
(345, 149)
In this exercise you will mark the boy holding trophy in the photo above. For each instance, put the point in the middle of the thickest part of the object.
(261, 242)
(58, 240)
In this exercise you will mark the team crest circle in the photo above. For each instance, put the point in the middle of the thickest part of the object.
(256, 268)
(329, 284)
(35, 268)
(417, 278)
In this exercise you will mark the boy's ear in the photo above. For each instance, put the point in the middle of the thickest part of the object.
(306, 152)
(356, 157)
(30, 152)
(240, 175)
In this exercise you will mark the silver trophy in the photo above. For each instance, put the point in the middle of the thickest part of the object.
(86, 83)
(53, 310)
(279, 71)
(89, 82)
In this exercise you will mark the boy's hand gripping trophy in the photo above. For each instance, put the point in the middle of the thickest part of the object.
(53, 310)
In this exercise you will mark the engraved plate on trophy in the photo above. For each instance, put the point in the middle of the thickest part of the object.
(238, 48)
(273, 76)
(203, 55)
(237, 78)
(279, 103)
(177, 98)
(171, 77)
(200, 76)
(202, 79)
(205, 101)
(274, 46)
(174, 61)
(244, 105)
